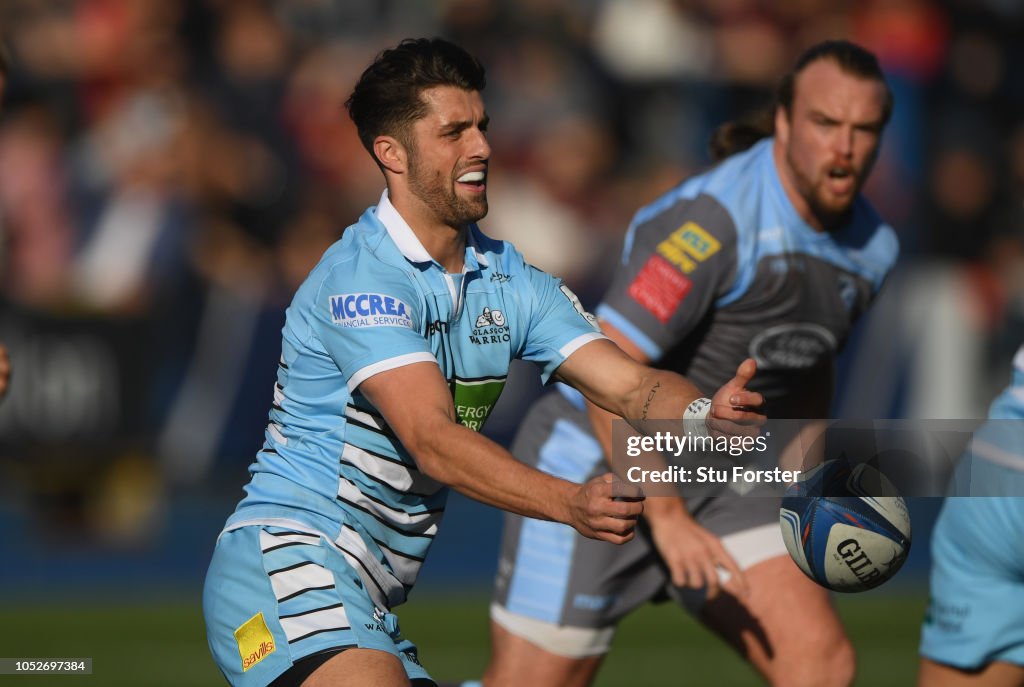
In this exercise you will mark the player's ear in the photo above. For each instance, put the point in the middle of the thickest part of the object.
(391, 154)
(782, 124)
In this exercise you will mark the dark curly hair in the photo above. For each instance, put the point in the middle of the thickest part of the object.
(386, 99)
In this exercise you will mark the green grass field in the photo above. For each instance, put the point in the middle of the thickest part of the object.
(165, 644)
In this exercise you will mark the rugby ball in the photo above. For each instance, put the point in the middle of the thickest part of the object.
(845, 526)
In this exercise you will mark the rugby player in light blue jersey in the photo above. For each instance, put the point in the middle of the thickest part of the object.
(394, 351)
(772, 254)
(973, 633)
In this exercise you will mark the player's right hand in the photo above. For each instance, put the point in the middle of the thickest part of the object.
(735, 410)
(606, 508)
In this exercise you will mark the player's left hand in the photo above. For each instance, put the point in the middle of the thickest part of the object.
(694, 556)
(606, 508)
(735, 410)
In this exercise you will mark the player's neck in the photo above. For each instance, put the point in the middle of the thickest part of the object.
(444, 243)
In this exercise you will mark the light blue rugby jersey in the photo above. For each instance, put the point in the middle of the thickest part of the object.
(1001, 439)
(377, 301)
(1009, 405)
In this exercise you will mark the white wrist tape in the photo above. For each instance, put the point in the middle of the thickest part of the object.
(695, 417)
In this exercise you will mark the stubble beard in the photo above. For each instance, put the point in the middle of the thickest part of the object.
(438, 194)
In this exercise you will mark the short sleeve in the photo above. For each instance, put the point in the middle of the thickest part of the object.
(677, 261)
(368, 321)
(557, 324)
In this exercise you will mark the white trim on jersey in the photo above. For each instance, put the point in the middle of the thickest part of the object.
(361, 375)
(406, 568)
(385, 589)
(278, 394)
(300, 626)
(405, 238)
(392, 473)
(289, 583)
(404, 523)
(289, 539)
(997, 454)
(275, 431)
(351, 544)
(577, 343)
(372, 421)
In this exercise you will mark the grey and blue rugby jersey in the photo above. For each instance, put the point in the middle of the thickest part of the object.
(722, 268)
(377, 301)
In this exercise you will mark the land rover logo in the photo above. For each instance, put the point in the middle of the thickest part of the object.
(791, 346)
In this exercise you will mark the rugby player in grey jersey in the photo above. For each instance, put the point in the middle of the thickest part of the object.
(772, 254)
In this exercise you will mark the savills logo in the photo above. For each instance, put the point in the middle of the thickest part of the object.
(255, 642)
(255, 657)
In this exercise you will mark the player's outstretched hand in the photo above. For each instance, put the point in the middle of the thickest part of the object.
(606, 508)
(735, 410)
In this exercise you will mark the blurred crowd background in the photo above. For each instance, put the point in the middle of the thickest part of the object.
(171, 169)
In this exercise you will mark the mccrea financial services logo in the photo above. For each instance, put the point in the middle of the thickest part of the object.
(369, 310)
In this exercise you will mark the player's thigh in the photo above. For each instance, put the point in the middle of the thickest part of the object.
(784, 619)
(517, 661)
(997, 674)
(357, 668)
(786, 625)
(275, 598)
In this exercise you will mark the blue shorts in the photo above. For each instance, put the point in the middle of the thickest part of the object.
(273, 596)
(976, 611)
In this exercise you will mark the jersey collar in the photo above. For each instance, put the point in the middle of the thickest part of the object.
(405, 239)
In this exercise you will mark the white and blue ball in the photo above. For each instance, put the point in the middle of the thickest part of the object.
(852, 539)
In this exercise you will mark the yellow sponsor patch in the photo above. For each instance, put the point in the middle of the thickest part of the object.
(671, 251)
(687, 246)
(255, 642)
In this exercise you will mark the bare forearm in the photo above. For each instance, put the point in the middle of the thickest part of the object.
(661, 395)
(663, 509)
(479, 468)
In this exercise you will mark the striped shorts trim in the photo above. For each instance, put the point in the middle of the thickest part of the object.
(274, 595)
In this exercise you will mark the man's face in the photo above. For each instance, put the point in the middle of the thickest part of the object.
(829, 139)
(448, 155)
